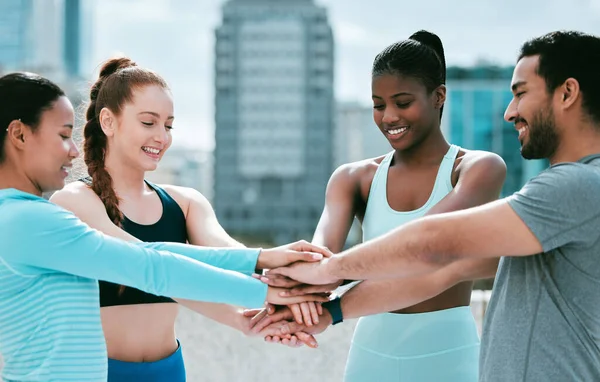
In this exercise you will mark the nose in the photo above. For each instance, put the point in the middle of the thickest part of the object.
(162, 136)
(511, 113)
(389, 116)
(73, 150)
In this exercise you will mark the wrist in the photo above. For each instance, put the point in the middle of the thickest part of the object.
(260, 260)
(331, 267)
(334, 311)
(326, 317)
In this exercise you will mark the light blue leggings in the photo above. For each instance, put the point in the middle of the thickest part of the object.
(440, 346)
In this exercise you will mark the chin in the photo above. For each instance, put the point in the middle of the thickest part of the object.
(401, 145)
(149, 166)
(53, 186)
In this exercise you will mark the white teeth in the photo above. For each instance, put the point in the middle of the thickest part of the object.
(151, 150)
(397, 131)
(523, 129)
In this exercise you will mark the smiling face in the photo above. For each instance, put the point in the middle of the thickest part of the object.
(531, 111)
(143, 128)
(405, 112)
(48, 150)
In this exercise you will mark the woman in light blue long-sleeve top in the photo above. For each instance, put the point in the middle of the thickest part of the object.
(50, 261)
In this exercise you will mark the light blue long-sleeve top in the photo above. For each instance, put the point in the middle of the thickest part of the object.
(50, 261)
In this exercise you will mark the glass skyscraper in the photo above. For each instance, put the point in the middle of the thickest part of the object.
(474, 119)
(274, 118)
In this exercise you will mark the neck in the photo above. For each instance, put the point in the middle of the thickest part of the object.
(126, 180)
(430, 150)
(577, 144)
(11, 178)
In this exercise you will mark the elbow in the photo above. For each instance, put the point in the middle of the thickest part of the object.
(440, 247)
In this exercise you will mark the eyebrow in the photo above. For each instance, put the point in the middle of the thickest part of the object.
(394, 96)
(517, 85)
(155, 114)
(68, 125)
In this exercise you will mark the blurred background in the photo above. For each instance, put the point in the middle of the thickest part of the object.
(270, 97)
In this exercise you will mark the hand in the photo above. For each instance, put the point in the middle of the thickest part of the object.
(281, 313)
(248, 318)
(299, 289)
(274, 296)
(288, 254)
(278, 281)
(308, 273)
(306, 312)
(303, 313)
(255, 317)
(291, 328)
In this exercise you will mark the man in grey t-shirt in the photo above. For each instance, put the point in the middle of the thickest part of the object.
(543, 321)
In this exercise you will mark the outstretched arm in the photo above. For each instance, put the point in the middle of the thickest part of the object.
(480, 181)
(481, 178)
(204, 229)
(56, 240)
(533, 220)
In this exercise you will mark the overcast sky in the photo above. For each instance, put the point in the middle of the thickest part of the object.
(176, 38)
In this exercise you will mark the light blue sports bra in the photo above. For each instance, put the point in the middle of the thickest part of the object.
(380, 218)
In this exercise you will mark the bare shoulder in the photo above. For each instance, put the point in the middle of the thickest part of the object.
(76, 197)
(356, 175)
(483, 164)
(482, 158)
(184, 196)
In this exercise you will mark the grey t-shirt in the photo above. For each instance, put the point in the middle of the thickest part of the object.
(543, 321)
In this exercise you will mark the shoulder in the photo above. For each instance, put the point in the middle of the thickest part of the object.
(30, 213)
(77, 197)
(186, 197)
(483, 165)
(355, 175)
(572, 176)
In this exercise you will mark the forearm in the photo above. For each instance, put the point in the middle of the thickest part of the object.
(239, 259)
(414, 249)
(373, 297)
(228, 315)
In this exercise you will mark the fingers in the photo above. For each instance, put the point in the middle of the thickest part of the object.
(274, 329)
(289, 327)
(307, 339)
(270, 308)
(295, 256)
(257, 319)
(283, 314)
(309, 289)
(306, 313)
(281, 271)
(320, 309)
(251, 312)
(296, 312)
(312, 306)
(299, 299)
(305, 246)
(279, 281)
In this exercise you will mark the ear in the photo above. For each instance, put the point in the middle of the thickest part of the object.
(439, 96)
(569, 93)
(108, 122)
(17, 133)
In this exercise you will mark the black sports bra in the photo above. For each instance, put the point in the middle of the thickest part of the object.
(170, 228)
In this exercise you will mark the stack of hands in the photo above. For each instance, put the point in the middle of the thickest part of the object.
(298, 284)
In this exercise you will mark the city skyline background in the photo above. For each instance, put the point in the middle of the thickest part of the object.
(67, 40)
(176, 38)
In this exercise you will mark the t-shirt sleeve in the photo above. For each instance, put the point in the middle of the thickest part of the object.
(40, 237)
(561, 206)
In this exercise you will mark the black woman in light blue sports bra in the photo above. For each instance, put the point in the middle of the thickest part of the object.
(436, 339)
